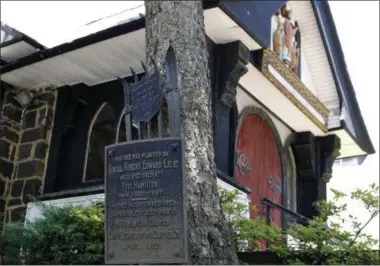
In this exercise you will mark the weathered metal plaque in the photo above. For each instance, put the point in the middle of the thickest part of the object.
(146, 97)
(145, 206)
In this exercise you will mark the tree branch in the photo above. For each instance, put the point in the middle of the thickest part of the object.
(362, 228)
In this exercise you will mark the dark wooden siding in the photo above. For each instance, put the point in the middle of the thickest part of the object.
(76, 107)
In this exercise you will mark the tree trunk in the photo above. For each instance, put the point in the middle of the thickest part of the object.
(181, 24)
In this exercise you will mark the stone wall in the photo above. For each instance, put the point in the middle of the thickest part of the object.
(24, 142)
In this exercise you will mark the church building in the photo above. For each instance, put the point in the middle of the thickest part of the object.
(284, 107)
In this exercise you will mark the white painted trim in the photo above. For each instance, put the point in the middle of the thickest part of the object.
(348, 147)
(259, 87)
(296, 94)
(292, 182)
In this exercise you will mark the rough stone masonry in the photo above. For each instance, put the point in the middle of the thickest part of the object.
(24, 142)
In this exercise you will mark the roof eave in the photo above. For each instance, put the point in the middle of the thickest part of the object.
(130, 26)
(99, 36)
(342, 78)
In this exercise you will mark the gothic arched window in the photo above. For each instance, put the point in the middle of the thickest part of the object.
(101, 133)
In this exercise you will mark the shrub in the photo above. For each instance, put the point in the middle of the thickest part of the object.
(65, 235)
(322, 241)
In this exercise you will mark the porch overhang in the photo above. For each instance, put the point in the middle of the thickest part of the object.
(349, 146)
(102, 56)
(15, 45)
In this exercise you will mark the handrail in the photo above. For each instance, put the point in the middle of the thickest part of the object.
(299, 218)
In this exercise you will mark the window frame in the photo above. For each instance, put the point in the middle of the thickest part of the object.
(89, 133)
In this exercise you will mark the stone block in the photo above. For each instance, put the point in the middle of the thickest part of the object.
(6, 215)
(47, 97)
(2, 205)
(14, 202)
(17, 188)
(32, 135)
(12, 113)
(32, 188)
(6, 168)
(25, 151)
(49, 115)
(4, 148)
(2, 188)
(12, 153)
(9, 97)
(18, 213)
(30, 120)
(41, 149)
(28, 169)
(8, 134)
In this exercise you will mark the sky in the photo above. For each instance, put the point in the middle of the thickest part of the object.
(357, 22)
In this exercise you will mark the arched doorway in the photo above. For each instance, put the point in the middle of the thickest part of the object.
(258, 162)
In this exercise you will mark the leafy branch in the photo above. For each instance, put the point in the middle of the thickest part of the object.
(322, 241)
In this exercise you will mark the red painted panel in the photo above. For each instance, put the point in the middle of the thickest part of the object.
(257, 148)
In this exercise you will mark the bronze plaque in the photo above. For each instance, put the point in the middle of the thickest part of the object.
(145, 207)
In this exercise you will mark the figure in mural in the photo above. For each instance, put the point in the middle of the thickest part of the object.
(278, 36)
(297, 48)
(289, 39)
(286, 39)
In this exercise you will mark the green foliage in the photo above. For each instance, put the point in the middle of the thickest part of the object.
(65, 235)
(324, 241)
(247, 234)
(75, 234)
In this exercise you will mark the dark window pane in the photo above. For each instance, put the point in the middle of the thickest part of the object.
(101, 133)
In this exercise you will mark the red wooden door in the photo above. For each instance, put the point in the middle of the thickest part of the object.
(258, 165)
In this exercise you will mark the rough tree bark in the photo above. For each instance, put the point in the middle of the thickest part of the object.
(181, 23)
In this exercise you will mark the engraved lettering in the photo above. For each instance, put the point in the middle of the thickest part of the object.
(146, 235)
(132, 246)
(153, 246)
(155, 212)
(151, 165)
(140, 223)
(144, 205)
(141, 175)
(128, 167)
(115, 169)
(171, 164)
